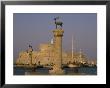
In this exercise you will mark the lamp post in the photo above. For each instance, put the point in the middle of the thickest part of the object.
(30, 53)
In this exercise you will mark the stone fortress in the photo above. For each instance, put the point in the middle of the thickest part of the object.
(46, 56)
(51, 54)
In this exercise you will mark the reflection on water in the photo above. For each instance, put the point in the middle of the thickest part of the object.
(68, 71)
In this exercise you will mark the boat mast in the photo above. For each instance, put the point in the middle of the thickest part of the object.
(80, 55)
(72, 46)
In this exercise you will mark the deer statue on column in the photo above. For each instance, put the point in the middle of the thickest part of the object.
(58, 23)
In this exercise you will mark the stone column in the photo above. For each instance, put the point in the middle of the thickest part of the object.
(58, 34)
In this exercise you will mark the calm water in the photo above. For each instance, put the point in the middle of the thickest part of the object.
(68, 71)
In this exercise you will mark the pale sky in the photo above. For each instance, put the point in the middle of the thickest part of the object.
(36, 28)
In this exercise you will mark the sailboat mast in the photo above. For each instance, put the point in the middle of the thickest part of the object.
(72, 46)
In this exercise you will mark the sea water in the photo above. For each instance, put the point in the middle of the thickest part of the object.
(68, 71)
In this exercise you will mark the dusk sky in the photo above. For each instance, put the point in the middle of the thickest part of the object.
(36, 28)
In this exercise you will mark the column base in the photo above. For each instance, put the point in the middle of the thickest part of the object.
(56, 71)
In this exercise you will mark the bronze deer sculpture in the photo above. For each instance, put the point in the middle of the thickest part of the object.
(58, 23)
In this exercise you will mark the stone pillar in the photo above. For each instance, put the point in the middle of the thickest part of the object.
(58, 34)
